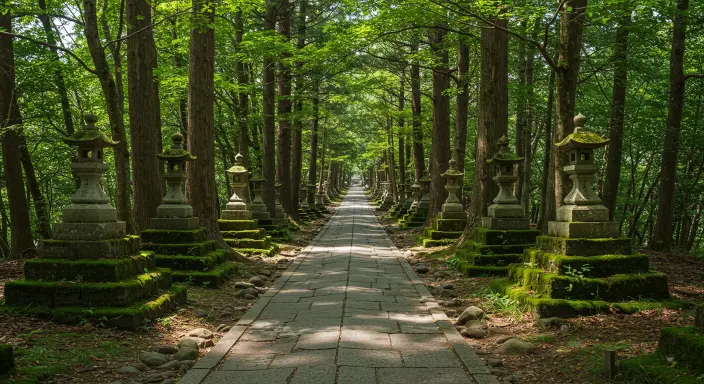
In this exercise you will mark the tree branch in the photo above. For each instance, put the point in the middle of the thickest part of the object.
(54, 15)
(693, 76)
(62, 49)
(147, 27)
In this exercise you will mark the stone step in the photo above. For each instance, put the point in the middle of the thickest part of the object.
(88, 270)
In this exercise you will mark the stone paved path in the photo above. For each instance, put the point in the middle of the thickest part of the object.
(349, 309)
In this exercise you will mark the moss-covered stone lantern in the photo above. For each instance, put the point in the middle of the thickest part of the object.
(506, 204)
(237, 207)
(257, 206)
(280, 217)
(175, 212)
(452, 208)
(415, 190)
(582, 215)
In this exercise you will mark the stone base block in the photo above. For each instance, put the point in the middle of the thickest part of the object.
(174, 210)
(583, 213)
(588, 266)
(246, 234)
(461, 215)
(184, 223)
(686, 345)
(90, 271)
(505, 223)
(430, 243)
(505, 237)
(235, 215)
(213, 278)
(655, 368)
(188, 249)
(89, 231)
(89, 213)
(585, 247)
(83, 249)
(506, 211)
(583, 230)
(259, 215)
(174, 236)
(237, 225)
(192, 263)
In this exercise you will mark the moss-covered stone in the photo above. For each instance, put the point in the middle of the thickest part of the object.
(258, 251)
(504, 237)
(428, 243)
(653, 368)
(249, 243)
(497, 260)
(213, 278)
(86, 270)
(198, 263)
(237, 225)
(470, 270)
(58, 293)
(686, 345)
(589, 266)
(86, 249)
(190, 249)
(450, 225)
(172, 236)
(585, 247)
(434, 234)
(7, 358)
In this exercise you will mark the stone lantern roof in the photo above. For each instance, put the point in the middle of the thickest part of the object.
(239, 165)
(176, 152)
(504, 155)
(90, 135)
(581, 137)
(452, 170)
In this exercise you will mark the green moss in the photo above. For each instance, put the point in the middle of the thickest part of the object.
(582, 137)
(686, 345)
(192, 249)
(585, 247)
(434, 234)
(174, 236)
(589, 266)
(87, 270)
(180, 262)
(210, 279)
(258, 251)
(652, 369)
(476, 270)
(237, 225)
(505, 237)
(172, 153)
(428, 243)
(249, 243)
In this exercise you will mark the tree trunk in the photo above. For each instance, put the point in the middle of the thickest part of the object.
(528, 128)
(40, 209)
(390, 158)
(618, 103)
(313, 166)
(401, 133)
(21, 241)
(269, 105)
(547, 189)
(242, 95)
(520, 143)
(493, 113)
(113, 103)
(418, 151)
(571, 29)
(459, 142)
(283, 145)
(662, 233)
(145, 127)
(5, 251)
(297, 155)
(58, 72)
(201, 125)
(440, 150)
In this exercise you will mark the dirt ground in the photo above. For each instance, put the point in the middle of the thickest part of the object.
(46, 352)
(572, 353)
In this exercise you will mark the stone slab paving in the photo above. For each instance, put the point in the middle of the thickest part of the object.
(349, 309)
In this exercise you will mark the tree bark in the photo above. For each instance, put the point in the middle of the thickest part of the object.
(113, 103)
(59, 80)
(201, 125)
(390, 158)
(418, 151)
(528, 127)
(297, 155)
(618, 103)
(567, 76)
(145, 127)
(520, 143)
(459, 142)
(21, 241)
(401, 126)
(313, 166)
(269, 105)
(242, 95)
(440, 150)
(283, 145)
(662, 232)
(493, 113)
(547, 190)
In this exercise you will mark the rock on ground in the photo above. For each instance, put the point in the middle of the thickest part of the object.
(188, 343)
(515, 346)
(471, 313)
(201, 332)
(153, 359)
(186, 353)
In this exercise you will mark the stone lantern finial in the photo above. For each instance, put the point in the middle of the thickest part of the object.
(579, 121)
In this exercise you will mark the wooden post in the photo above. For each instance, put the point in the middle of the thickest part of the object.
(609, 364)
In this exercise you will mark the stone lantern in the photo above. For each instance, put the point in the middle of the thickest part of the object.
(279, 212)
(506, 203)
(303, 197)
(175, 212)
(452, 208)
(415, 188)
(90, 215)
(257, 206)
(237, 207)
(424, 202)
(583, 215)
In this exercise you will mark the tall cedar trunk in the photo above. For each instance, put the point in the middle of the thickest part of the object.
(283, 145)
(145, 127)
(618, 103)
(520, 143)
(182, 101)
(242, 95)
(440, 150)
(201, 125)
(418, 151)
(21, 240)
(269, 105)
(567, 76)
(5, 250)
(59, 81)
(297, 155)
(313, 166)
(401, 133)
(547, 189)
(113, 103)
(390, 158)
(662, 233)
(40, 209)
(322, 162)
(493, 113)
(528, 130)
(459, 142)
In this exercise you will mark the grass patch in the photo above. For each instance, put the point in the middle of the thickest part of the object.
(505, 305)
(544, 338)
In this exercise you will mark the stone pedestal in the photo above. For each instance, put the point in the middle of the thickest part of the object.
(450, 223)
(280, 217)
(418, 211)
(304, 213)
(582, 267)
(397, 209)
(257, 206)
(91, 270)
(387, 198)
